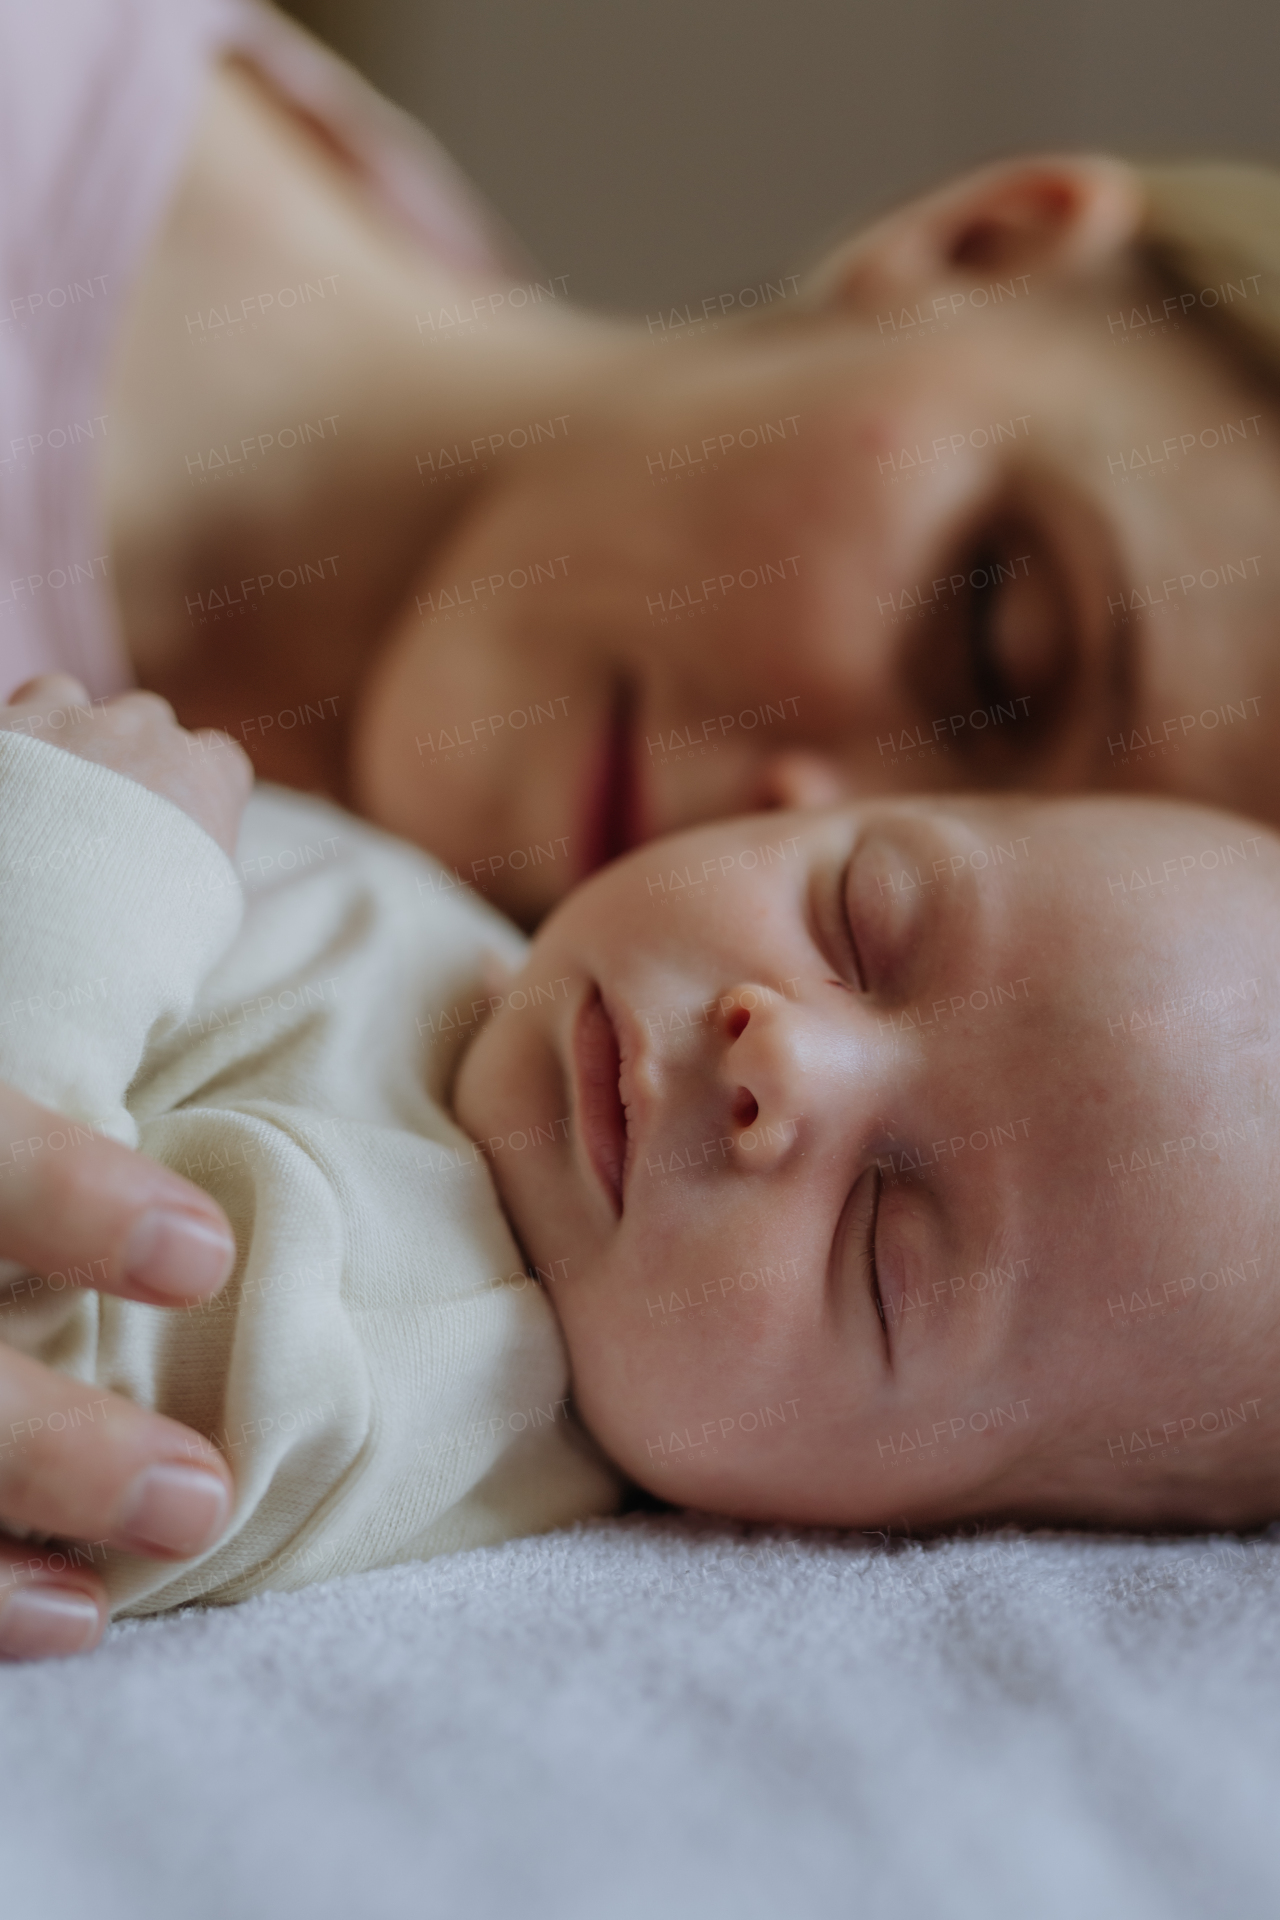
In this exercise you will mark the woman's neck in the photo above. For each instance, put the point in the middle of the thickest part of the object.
(276, 474)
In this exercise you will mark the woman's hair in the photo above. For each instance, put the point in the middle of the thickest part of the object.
(1211, 234)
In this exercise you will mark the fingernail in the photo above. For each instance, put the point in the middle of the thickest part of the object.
(172, 1509)
(42, 1622)
(177, 1254)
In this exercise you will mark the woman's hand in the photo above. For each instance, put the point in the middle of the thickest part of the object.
(206, 774)
(90, 1468)
(87, 1467)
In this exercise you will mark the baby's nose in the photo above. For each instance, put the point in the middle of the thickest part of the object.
(764, 1072)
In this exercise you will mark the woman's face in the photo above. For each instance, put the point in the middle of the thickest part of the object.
(887, 545)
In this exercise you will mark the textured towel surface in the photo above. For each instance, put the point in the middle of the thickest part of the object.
(661, 1716)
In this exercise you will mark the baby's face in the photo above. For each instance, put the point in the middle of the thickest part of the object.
(897, 1163)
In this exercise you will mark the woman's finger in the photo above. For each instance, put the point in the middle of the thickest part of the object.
(85, 1465)
(52, 1602)
(49, 688)
(43, 707)
(85, 1211)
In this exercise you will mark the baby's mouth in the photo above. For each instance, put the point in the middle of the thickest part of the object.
(602, 1119)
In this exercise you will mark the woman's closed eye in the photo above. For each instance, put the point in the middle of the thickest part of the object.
(990, 669)
(1016, 622)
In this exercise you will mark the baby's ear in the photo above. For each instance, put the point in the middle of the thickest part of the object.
(496, 974)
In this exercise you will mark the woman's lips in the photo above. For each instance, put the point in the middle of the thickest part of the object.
(602, 1120)
(610, 812)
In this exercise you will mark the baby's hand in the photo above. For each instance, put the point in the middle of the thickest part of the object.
(206, 774)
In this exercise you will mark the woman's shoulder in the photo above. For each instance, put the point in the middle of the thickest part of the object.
(98, 106)
(397, 159)
(97, 109)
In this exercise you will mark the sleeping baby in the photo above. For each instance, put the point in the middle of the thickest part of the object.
(906, 1163)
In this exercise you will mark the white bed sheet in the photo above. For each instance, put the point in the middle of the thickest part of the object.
(668, 1716)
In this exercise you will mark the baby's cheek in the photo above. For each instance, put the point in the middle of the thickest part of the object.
(666, 1360)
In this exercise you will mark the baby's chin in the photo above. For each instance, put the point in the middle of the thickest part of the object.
(1146, 1483)
(1133, 1492)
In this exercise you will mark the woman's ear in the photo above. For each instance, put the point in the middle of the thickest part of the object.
(1068, 216)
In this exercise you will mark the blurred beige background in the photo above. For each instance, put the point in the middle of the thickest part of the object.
(658, 150)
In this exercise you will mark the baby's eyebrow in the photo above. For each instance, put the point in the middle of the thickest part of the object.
(935, 1152)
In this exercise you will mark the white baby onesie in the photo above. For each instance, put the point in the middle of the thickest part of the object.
(382, 1378)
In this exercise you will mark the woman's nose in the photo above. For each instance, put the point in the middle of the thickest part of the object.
(804, 780)
(772, 1071)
